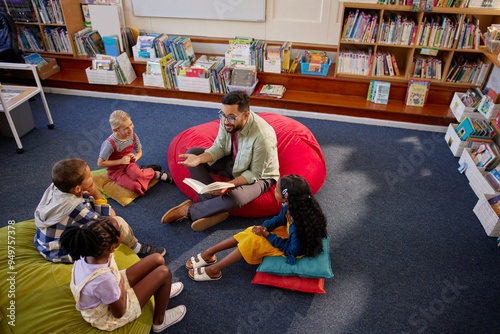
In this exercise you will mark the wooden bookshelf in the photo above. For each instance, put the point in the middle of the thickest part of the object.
(73, 22)
(310, 93)
(405, 54)
(493, 57)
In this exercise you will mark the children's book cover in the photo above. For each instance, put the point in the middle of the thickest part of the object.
(416, 95)
(464, 129)
(493, 177)
(495, 204)
(111, 45)
(382, 93)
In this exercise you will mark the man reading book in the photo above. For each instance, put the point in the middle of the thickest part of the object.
(245, 151)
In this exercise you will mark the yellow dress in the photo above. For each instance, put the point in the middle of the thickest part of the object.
(254, 247)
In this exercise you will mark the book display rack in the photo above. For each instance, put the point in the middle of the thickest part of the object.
(441, 45)
(479, 165)
(46, 26)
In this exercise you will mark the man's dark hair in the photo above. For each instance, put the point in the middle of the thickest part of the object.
(237, 97)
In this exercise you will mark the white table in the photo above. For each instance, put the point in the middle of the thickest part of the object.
(27, 93)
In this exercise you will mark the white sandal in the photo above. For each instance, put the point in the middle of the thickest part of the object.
(200, 263)
(203, 276)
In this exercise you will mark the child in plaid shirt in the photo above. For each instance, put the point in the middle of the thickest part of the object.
(73, 199)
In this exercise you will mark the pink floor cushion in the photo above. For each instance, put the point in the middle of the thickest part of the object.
(298, 153)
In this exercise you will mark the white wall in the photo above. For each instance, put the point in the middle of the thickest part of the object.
(312, 21)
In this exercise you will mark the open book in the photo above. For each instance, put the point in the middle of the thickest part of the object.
(201, 188)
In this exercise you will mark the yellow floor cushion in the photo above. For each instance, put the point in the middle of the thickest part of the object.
(116, 192)
(35, 292)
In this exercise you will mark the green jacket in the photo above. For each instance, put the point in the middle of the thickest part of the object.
(257, 156)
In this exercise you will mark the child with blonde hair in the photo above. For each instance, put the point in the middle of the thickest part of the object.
(117, 156)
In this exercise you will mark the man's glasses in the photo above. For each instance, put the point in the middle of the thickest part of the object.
(230, 119)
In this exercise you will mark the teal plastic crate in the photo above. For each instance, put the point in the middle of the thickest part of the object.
(315, 69)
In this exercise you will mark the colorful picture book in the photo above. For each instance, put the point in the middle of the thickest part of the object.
(378, 92)
(111, 45)
(268, 90)
(495, 204)
(464, 129)
(35, 59)
(417, 92)
(493, 178)
(486, 155)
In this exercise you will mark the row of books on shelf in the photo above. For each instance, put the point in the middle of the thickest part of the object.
(54, 39)
(360, 27)
(434, 31)
(273, 58)
(466, 71)
(265, 57)
(29, 38)
(438, 31)
(169, 69)
(355, 61)
(42, 11)
(422, 4)
(469, 35)
(385, 64)
(428, 5)
(88, 42)
(426, 68)
(57, 40)
(451, 3)
(220, 77)
(399, 31)
(158, 45)
(206, 67)
(49, 11)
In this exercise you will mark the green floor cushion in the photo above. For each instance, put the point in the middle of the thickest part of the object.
(116, 192)
(314, 267)
(39, 290)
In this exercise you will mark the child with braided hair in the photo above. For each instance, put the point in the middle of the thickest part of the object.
(109, 298)
(296, 231)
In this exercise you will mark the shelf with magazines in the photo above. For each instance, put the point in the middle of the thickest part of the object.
(46, 26)
(442, 45)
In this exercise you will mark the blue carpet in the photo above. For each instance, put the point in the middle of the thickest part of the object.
(408, 253)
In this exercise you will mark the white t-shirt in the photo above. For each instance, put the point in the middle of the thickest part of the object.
(102, 289)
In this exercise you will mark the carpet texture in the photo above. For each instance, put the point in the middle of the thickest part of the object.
(408, 253)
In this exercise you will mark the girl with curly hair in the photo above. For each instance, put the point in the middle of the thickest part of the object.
(108, 298)
(297, 231)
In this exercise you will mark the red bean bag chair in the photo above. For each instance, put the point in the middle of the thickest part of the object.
(298, 153)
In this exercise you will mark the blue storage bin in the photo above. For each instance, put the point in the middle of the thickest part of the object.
(315, 69)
